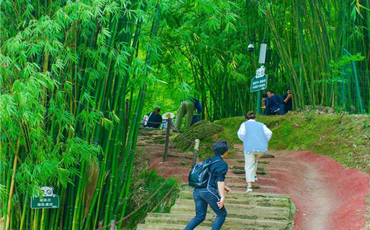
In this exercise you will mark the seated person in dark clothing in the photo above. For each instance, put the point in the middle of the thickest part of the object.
(264, 102)
(286, 100)
(273, 103)
(155, 119)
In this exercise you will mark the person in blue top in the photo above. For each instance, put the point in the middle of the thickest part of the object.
(187, 108)
(286, 100)
(214, 194)
(273, 103)
(255, 136)
(155, 119)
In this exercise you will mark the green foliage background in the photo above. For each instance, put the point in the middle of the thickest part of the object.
(75, 77)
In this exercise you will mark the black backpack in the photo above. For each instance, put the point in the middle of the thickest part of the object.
(199, 174)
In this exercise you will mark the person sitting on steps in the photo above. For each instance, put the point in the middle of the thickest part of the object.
(273, 103)
(286, 99)
(155, 119)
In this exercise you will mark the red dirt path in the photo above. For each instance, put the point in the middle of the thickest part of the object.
(326, 195)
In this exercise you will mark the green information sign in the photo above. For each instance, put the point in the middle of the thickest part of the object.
(259, 83)
(45, 202)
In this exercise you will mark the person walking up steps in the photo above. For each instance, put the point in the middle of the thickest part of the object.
(255, 136)
(214, 194)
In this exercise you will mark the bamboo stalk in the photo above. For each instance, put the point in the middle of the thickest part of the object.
(11, 190)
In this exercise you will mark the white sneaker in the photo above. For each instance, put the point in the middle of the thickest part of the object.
(249, 189)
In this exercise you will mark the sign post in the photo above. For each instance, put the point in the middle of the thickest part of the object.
(259, 82)
(49, 199)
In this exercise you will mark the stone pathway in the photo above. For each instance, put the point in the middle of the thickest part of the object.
(325, 194)
(245, 210)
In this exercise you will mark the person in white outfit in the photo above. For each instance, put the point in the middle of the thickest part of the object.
(255, 136)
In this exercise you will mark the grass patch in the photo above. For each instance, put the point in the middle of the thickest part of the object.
(344, 138)
(291, 215)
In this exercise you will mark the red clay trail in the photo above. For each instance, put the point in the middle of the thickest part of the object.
(326, 195)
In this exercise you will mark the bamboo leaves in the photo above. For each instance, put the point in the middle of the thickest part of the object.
(67, 74)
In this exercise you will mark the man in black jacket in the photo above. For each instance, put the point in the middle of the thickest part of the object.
(214, 194)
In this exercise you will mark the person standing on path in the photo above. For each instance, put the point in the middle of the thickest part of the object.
(255, 136)
(187, 108)
(214, 194)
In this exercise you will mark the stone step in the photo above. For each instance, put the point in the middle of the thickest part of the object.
(241, 167)
(243, 211)
(242, 171)
(239, 197)
(175, 227)
(256, 202)
(240, 184)
(261, 202)
(230, 223)
(242, 178)
(240, 160)
(240, 154)
(166, 227)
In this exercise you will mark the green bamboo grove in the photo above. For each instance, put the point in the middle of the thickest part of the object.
(305, 40)
(76, 76)
(73, 82)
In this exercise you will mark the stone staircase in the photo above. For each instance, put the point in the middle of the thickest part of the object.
(254, 210)
(245, 211)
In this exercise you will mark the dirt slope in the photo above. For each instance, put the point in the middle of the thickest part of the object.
(326, 195)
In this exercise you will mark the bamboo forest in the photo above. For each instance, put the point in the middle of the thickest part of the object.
(77, 77)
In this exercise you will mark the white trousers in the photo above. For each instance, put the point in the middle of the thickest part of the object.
(251, 161)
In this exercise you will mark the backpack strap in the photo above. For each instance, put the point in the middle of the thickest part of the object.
(214, 162)
(210, 166)
(209, 179)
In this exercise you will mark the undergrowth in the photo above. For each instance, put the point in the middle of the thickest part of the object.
(208, 133)
(143, 185)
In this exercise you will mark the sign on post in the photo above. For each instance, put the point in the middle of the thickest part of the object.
(263, 49)
(259, 82)
(49, 199)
